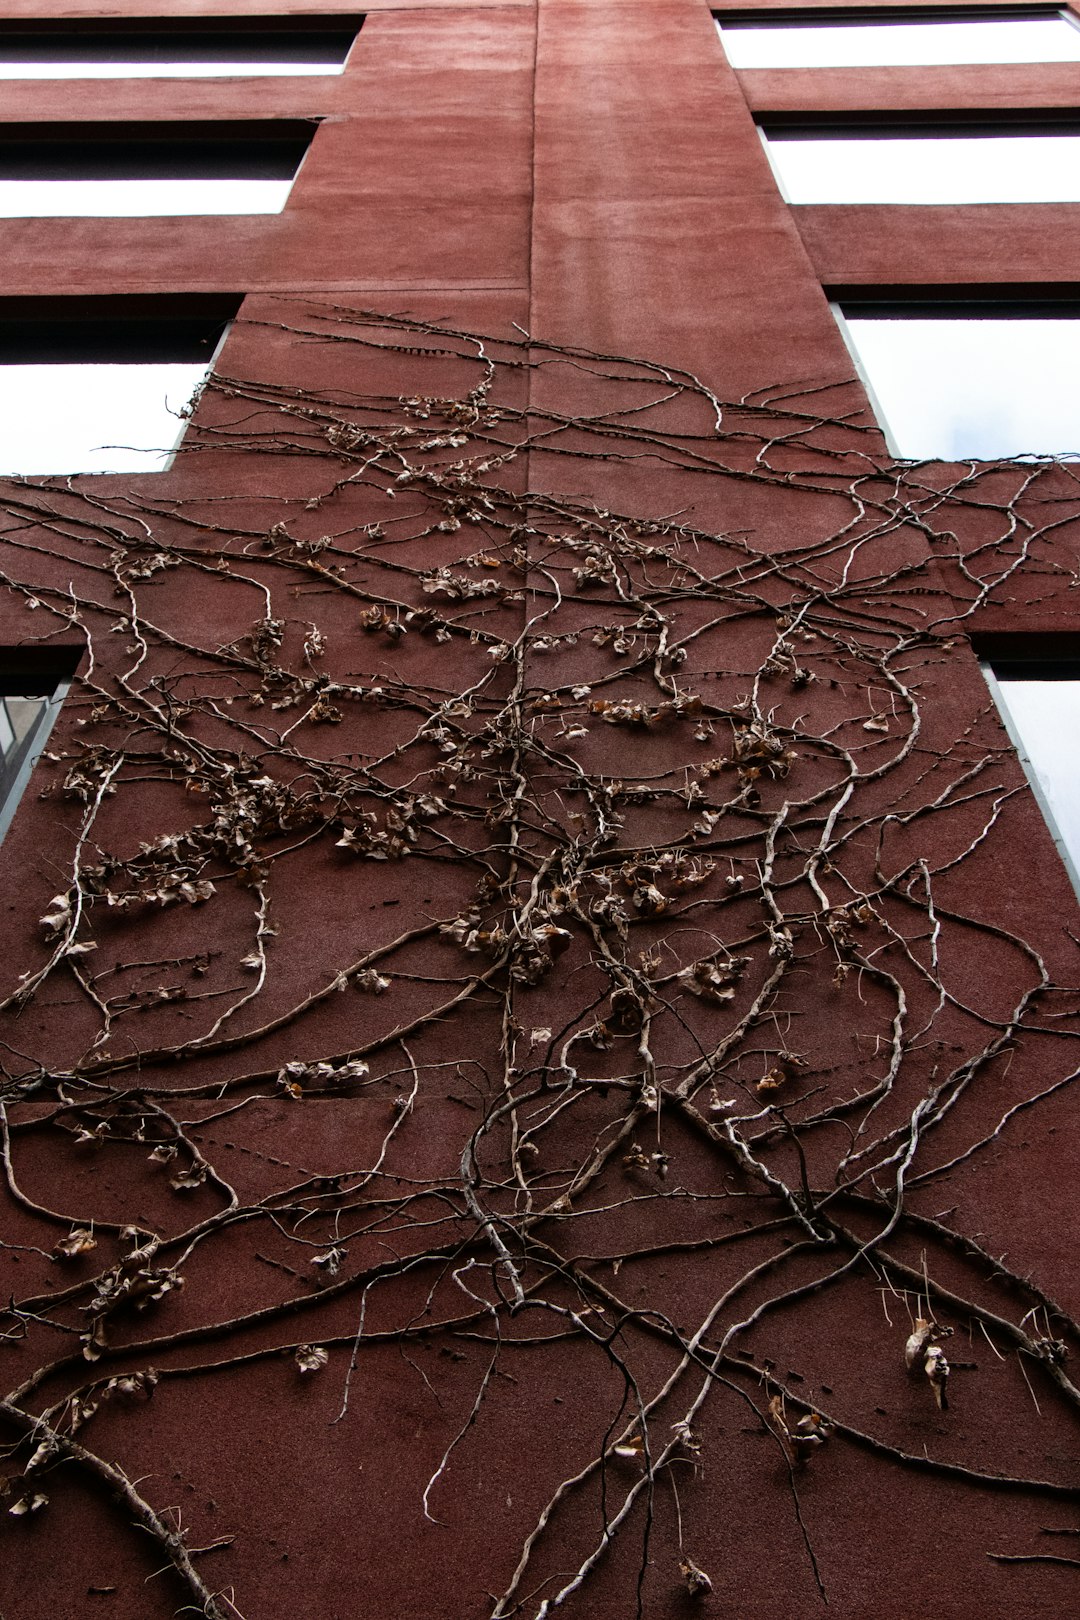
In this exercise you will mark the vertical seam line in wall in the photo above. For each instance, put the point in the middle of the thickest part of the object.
(530, 226)
(530, 221)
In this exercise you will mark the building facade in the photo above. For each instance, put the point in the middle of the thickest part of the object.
(539, 1003)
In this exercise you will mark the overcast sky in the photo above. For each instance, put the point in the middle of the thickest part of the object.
(950, 389)
(928, 169)
(140, 198)
(63, 419)
(1046, 716)
(34, 199)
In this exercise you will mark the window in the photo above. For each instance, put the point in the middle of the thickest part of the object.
(920, 164)
(1039, 701)
(144, 169)
(154, 48)
(969, 379)
(898, 39)
(29, 703)
(102, 384)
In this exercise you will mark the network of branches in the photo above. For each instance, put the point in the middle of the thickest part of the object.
(620, 884)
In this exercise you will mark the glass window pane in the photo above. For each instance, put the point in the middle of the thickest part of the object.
(971, 387)
(23, 714)
(919, 169)
(25, 723)
(40, 199)
(900, 44)
(1043, 718)
(164, 70)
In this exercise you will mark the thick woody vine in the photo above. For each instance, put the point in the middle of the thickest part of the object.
(683, 969)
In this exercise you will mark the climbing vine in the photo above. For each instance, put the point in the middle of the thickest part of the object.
(622, 887)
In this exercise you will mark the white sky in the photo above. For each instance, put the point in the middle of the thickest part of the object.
(927, 169)
(953, 389)
(164, 70)
(1038, 39)
(61, 419)
(37, 199)
(1046, 716)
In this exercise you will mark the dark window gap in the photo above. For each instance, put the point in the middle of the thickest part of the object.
(163, 39)
(860, 16)
(1031, 655)
(1021, 301)
(139, 328)
(229, 149)
(36, 671)
(941, 124)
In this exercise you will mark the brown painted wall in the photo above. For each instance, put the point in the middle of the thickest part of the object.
(573, 180)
